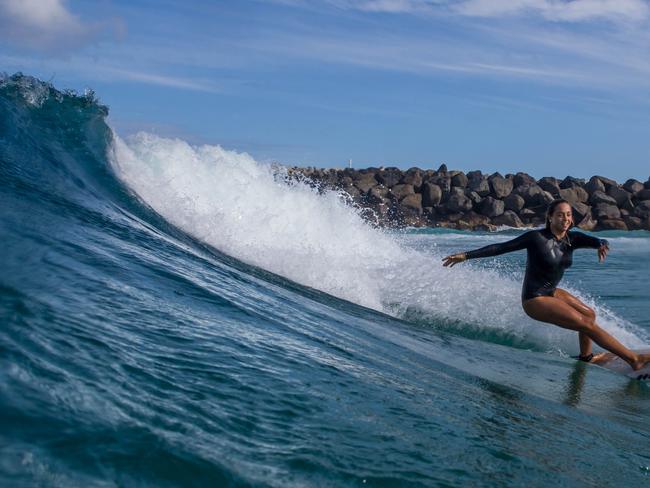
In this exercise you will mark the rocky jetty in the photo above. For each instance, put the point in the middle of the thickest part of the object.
(391, 197)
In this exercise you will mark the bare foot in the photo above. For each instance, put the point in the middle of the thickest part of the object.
(601, 357)
(641, 361)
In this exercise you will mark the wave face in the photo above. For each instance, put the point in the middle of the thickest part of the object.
(177, 316)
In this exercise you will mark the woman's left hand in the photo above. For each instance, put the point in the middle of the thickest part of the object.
(602, 252)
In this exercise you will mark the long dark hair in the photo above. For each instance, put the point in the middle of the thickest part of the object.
(551, 208)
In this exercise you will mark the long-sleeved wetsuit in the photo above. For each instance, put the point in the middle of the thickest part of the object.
(548, 257)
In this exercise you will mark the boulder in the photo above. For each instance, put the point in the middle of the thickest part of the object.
(588, 223)
(471, 220)
(456, 190)
(354, 193)
(571, 182)
(622, 197)
(575, 194)
(442, 168)
(412, 177)
(459, 180)
(459, 203)
(642, 210)
(521, 179)
(551, 185)
(500, 187)
(455, 216)
(475, 175)
(389, 177)
(480, 186)
(377, 195)
(598, 197)
(345, 182)
(643, 195)
(514, 202)
(473, 196)
(413, 201)
(608, 182)
(444, 182)
(491, 207)
(611, 224)
(647, 184)
(580, 211)
(540, 210)
(527, 214)
(546, 198)
(382, 210)
(365, 182)
(595, 185)
(633, 223)
(400, 191)
(645, 224)
(532, 194)
(431, 195)
(537, 221)
(508, 218)
(633, 186)
(606, 211)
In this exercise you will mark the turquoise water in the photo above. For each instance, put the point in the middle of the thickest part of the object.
(182, 316)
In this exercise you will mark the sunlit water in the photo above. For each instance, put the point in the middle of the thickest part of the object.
(182, 316)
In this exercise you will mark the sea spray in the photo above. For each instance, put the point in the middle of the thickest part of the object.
(242, 208)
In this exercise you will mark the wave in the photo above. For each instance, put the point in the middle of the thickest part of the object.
(251, 212)
(170, 318)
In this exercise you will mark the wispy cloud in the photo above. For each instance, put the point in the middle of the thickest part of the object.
(89, 70)
(534, 40)
(161, 80)
(389, 6)
(558, 10)
(420, 56)
(554, 10)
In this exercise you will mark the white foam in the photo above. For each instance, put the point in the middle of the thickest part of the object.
(242, 208)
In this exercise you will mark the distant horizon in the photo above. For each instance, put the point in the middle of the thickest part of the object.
(543, 87)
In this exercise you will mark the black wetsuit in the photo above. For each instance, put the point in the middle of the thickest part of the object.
(548, 257)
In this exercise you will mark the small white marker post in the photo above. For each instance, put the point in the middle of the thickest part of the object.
(349, 163)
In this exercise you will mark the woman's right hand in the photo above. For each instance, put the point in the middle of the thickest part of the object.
(454, 259)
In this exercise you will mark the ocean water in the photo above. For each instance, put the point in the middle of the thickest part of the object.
(175, 315)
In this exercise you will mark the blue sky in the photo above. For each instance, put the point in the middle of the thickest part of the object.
(550, 87)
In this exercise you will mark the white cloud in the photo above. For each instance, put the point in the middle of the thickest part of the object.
(40, 14)
(45, 25)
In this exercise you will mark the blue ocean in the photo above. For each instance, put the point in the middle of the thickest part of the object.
(176, 315)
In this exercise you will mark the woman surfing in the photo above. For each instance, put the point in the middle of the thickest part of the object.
(550, 252)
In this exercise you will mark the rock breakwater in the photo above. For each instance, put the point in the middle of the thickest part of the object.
(391, 197)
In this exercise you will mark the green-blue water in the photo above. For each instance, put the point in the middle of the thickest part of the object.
(180, 316)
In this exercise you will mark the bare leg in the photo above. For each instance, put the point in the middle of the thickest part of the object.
(556, 311)
(586, 311)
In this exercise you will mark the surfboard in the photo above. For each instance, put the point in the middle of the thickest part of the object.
(616, 364)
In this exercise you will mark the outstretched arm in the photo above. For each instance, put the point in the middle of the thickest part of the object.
(580, 240)
(520, 242)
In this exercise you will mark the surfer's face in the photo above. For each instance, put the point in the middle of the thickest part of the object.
(561, 218)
